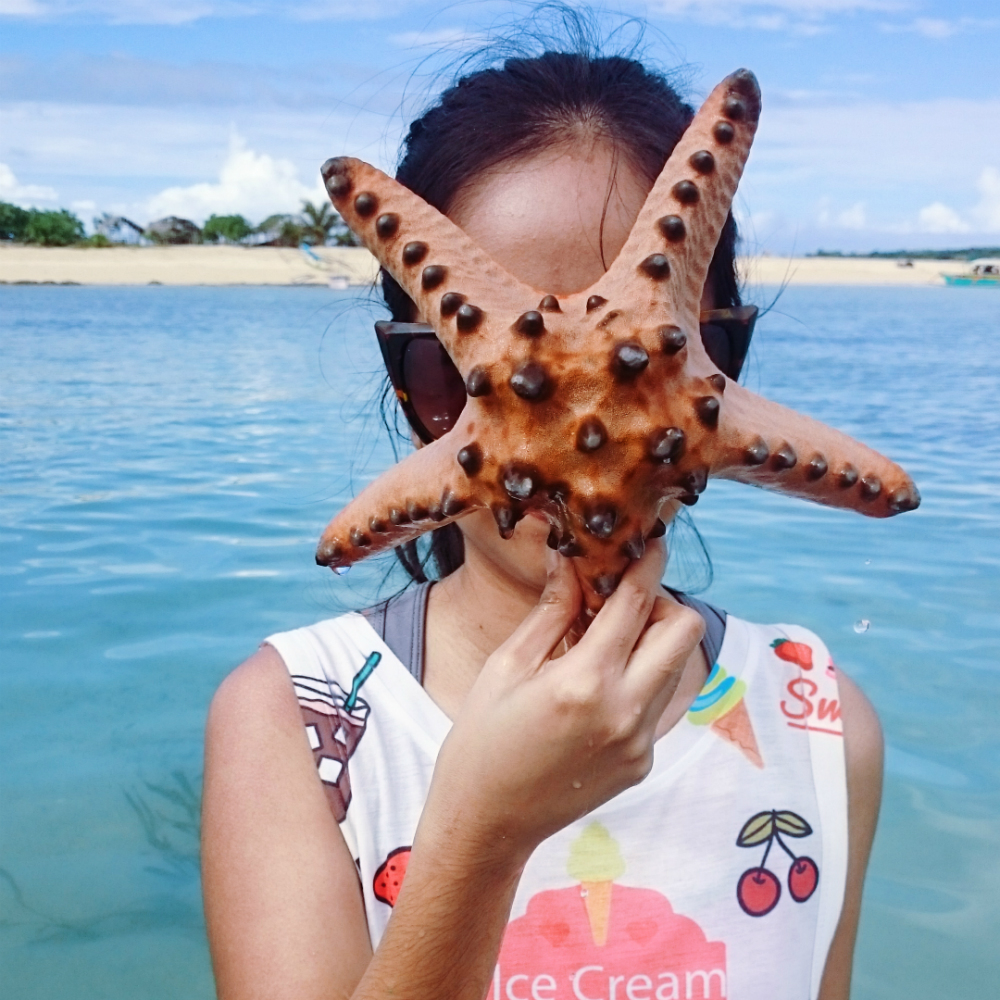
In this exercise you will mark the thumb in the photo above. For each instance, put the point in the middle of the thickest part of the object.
(533, 641)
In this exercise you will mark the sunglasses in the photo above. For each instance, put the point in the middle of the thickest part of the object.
(431, 392)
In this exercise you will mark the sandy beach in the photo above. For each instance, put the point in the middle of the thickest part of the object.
(234, 265)
(185, 265)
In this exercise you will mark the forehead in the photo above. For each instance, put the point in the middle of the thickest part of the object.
(557, 219)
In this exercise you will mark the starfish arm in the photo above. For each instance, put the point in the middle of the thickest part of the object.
(427, 254)
(684, 213)
(423, 492)
(768, 445)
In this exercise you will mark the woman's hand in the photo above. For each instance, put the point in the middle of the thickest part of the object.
(542, 739)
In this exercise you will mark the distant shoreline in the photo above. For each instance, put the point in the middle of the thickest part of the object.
(286, 266)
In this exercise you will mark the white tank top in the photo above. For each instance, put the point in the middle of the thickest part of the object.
(720, 875)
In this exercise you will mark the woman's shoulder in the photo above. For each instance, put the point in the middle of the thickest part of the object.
(264, 683)
(260, 688)
(327, 649)
(814, 689)
(819, 691)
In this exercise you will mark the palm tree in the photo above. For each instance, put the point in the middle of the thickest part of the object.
(320, 221)
(321, 224)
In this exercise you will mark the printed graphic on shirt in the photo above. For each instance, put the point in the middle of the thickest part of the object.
(759, 889)
(389, 877)
(809, 702)
(793, 652)
(600, 940)
(335, 721)
(720, 705)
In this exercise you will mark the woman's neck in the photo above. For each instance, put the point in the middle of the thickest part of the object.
(474, 610)
(470, 613)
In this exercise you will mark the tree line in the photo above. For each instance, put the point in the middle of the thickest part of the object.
(315, 225)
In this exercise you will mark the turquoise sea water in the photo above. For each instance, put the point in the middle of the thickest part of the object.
(168, 458)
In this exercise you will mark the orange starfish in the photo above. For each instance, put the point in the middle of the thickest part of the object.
(598, 407)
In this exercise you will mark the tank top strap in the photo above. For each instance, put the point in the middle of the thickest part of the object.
(400, 622)
(715, 624)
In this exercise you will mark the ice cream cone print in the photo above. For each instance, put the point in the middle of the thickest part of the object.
(735, 726)
(597, 897)
(720, 705)
(595, 862)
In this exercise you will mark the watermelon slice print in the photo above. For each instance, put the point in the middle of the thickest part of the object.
(389, 877)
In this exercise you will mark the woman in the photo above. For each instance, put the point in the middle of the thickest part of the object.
(548, 849)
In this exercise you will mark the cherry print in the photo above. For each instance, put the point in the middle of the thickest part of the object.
(803, 877)
(759, 889)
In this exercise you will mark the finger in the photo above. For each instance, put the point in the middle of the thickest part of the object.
(655, 667)
(547, 623)
(616, 629)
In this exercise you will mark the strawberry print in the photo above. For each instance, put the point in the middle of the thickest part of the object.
(389, 877)
(793, 652)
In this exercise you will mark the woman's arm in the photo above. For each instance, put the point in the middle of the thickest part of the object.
(282, 900)
(863, 749)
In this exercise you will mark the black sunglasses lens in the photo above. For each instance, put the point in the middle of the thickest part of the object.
(718, 347)
(434, 385)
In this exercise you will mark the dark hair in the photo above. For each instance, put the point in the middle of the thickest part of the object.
(497, 115)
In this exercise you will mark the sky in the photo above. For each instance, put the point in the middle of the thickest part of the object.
(880, 128)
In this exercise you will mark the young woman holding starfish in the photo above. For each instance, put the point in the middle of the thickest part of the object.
(536, 755)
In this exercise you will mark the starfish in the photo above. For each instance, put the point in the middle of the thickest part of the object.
(596, 408)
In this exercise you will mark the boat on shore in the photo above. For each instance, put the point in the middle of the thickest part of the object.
(985, 271)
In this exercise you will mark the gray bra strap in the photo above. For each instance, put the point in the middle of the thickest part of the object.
(400, 623)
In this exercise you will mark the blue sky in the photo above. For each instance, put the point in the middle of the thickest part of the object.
(881, 123)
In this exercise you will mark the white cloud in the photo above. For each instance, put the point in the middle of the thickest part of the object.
(22, 194)
(20, 8)
(940, 28)
(441, 38)
(811, 7)
(120, 156)
(939, 218)
(251, 184)
(935, 27)
(984, 217)
(987, 212)
(800, 16)
(874, 146)
(803, 16)
(853, 217)
(187, 11)
(128, 11)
